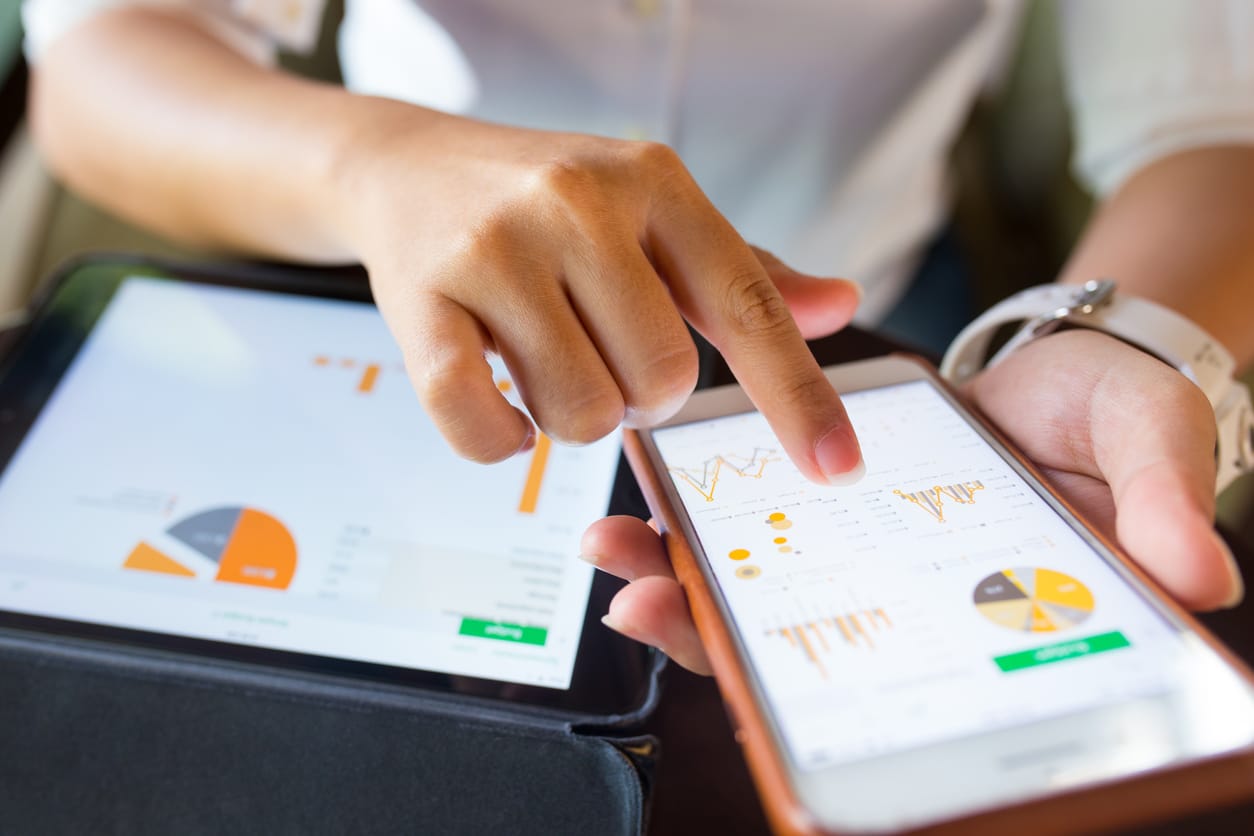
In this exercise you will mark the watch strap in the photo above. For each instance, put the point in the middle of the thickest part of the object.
(1150, 327)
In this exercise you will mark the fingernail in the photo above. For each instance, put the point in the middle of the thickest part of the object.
(1238, 583)
(853, 477)
(528, 442)
(594, 559)
(839, 457)
(610, 621)
(857, 286)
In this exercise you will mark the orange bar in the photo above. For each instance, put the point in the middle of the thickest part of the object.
(884, 616)
(844, 629)
(857, 626)
(819, 635)
(805, 643)
(535, 475)
(368, 377)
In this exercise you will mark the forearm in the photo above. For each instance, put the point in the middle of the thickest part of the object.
(146, 114)
(1181, 232)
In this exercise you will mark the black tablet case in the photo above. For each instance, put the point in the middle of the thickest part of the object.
(103, 738)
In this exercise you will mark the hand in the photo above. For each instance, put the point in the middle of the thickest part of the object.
(578, 259)
(1128, 440)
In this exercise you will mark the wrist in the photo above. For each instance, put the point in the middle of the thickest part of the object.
(360, 165)
(1152, 328)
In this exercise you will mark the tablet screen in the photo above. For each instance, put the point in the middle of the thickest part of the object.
(254, 468)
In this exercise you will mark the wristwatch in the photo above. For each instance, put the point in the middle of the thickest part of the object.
(1150, 327)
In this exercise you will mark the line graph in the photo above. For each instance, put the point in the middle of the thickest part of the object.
(932, 500)
(704, 480)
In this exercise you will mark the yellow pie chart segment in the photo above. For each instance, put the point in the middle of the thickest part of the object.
(1033, 600)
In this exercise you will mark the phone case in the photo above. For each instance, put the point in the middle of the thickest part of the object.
(1146, 798)
(102, 737)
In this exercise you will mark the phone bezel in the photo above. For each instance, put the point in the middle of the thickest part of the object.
(612, 676)
(836, 798)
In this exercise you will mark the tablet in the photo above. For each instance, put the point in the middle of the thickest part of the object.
(240, 468)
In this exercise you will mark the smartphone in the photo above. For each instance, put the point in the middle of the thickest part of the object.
(944, 644)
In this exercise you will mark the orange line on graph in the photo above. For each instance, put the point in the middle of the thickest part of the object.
(535, 475)
(713, 468)
(368, 377)
(933, 500)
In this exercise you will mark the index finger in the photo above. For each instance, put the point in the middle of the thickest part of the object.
(722, 290)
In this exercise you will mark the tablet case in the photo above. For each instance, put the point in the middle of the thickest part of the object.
(105, 738)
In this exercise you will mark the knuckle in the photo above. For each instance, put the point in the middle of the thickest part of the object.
(441, 387)
(754, 307)
(567, 179)
(491, 239)
(488, 247)
(661, 167)
(440, 384)
(588, 417)
(804, 392)
(655, 157)
(484, 448)
(665, 381)
(571, 198)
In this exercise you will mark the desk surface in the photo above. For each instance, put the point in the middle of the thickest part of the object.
(702, 784)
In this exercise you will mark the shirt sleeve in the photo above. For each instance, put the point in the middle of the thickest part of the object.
(1150, 78)
(257, 29)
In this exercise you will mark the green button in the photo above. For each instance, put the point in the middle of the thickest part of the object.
(1062, 651)
(501, 631)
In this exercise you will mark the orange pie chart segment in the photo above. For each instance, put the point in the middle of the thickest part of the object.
(249, 546)
(260, 552)
(147, 559)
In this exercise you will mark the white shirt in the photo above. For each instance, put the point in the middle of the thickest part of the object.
(820, 128)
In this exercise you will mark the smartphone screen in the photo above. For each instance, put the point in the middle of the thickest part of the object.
(941, 596)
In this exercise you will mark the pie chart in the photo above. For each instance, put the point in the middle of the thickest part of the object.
(249, 547)
(1033, 600)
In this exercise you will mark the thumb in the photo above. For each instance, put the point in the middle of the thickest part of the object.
(1093, 410)
(820, 306)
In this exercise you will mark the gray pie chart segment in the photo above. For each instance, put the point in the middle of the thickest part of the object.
(207, 532)
(997, 587)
